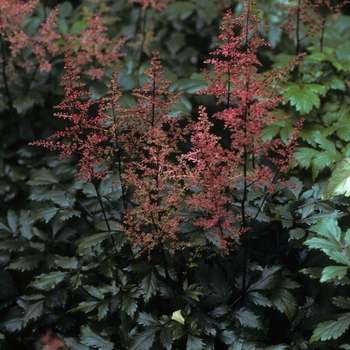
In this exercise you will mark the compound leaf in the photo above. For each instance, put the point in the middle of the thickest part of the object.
(332, 329)
(144, 340)
(339, 182)
(247, 319)
(42, 177)
(33, 311)
(149, 285)
(331, 272)
(49, 280)
(194, 343)
(91, 339)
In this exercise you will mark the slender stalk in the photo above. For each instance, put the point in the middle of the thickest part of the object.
(32, 77)
(119, 160)
(263, 201)
(101, 205)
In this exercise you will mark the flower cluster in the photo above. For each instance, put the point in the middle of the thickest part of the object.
(142, 141)
(224, 170)
(150, 147)
(49, 42)
(86, 134)
(223, 179)
(12, 15)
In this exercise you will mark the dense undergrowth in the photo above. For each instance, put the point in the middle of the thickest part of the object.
(191, 185)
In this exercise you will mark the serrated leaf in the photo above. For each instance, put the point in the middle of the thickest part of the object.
(145, 319)
(320, 243)
(341, 302)
(219, 311)
(76, 281)
(129, 305)
(313, 272)
(42, 177)
(65, 262)
(58, 197)
(194, 343)
(247, 319)
(339, 256)
(95, 292)
(329, 229)
(267, 280)
(303, 97)
(259, 299)
(86, 306)
(316, 88)
(322, 160)
(297, 233)
(221, 288)
(45, 214)
(49, 281)
(336, 214)
(149, 285)
(334, 82)
(144, 340)
(24, 263)
(33, 311)
(228, 337)
(331, 329)
(284, 301)
(12, 220)
(324, 143)
(91, 339)
(331, 272)
(103, 310)
(94, 240)
(304, 156)
(66, 214)
(73, 344)
(339, 182)
(13, 245)
(239, 346)
(166, 338)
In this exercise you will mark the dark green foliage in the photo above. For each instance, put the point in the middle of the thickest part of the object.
(65, 262)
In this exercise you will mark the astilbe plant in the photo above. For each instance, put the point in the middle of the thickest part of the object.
(222, 181)
(217, 174)
(150, 146)
(140, 143)
(49, 42)
(239, 167)
(85, 134)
